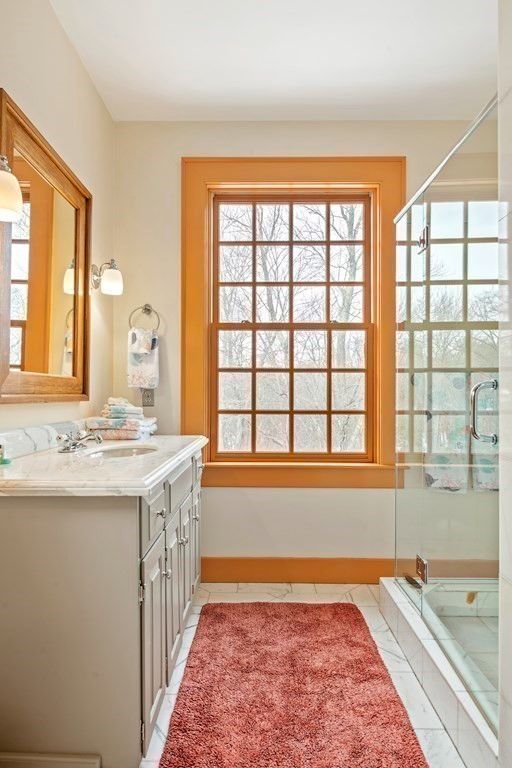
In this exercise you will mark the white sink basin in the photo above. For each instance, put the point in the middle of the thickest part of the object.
(119, 451)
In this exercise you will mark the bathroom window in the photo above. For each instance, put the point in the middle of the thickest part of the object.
(287, 327)
(292, 332)
(20, 248)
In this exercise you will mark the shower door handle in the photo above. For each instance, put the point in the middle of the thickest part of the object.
(473, 422)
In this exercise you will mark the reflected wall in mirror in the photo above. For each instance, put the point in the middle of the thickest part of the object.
(43, 264)
(42, 294)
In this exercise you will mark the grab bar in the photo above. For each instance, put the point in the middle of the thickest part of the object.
(473, 425)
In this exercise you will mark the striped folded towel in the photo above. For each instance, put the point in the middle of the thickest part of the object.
(119, 401)
(124, 434)
(120, 410)
(120, 406)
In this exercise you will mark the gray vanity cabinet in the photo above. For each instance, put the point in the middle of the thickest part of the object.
(170, 573)
(153, 633)
(97, 590)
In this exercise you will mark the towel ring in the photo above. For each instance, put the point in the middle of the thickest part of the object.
(146, 309)
(68, 315)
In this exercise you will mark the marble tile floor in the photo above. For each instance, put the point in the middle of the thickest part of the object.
(435, 742)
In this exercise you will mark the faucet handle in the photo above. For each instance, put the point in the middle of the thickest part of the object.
(71, 442)
(63, 437)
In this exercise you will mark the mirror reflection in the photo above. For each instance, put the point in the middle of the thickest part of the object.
(42, 277)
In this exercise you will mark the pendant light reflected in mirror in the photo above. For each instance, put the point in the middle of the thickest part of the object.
(11, 199)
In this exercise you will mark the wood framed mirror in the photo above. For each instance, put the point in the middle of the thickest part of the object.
(44, 268)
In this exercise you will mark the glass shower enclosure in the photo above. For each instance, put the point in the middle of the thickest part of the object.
(447, 408)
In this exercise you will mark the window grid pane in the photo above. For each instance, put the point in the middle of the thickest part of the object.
(453, 338)
(291, 310)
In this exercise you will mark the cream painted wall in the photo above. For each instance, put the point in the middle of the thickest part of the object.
(42, 72)
(244, 522)
(297, 522)
(147, 224)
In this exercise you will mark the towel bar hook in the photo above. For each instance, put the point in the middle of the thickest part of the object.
(146, 309)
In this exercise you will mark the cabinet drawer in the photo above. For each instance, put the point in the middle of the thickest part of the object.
(197, 462)
(180, 486)
(153, 512)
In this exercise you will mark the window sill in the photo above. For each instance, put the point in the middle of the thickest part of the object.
(294, 475)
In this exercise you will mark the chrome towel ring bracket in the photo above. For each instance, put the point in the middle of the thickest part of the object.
(146, 309)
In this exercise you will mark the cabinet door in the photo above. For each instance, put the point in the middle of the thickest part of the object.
(153, 635)
(185, 554)
(196, 539)
(172, 592)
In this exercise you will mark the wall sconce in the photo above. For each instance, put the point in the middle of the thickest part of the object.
(108, 278)
(11, 199)
(68, 284)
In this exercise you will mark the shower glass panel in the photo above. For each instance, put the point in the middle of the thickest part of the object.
(447, 455)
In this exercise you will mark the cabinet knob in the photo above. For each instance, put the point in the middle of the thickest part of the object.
(161, 512)
(195, 517)
(167, 574)
(183, 541)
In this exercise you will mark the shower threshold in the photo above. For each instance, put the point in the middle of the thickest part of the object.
(462, 615)
(437, 646)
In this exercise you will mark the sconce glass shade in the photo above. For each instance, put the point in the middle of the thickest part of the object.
(68, 284)
(112, 281)
(11, 199)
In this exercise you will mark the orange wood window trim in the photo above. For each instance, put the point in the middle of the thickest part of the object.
(202, 179)
(296, 474)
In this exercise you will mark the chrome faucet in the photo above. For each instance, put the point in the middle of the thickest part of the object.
(72, 442)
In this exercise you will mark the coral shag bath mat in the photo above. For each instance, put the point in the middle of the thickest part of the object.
(276, 685)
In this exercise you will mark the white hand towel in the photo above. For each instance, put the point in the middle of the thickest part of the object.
(140, 341)
(143, 368)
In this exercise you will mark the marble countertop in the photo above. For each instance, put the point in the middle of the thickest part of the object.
(50, 473)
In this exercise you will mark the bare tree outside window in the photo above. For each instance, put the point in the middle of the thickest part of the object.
(292, 328)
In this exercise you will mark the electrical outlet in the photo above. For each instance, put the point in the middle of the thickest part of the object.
(148, 397)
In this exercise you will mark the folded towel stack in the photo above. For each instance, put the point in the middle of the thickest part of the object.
(120, 420)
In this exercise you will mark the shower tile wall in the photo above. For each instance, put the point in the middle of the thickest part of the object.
(505, 169)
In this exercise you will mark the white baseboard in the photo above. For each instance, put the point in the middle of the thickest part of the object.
(40, 760)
